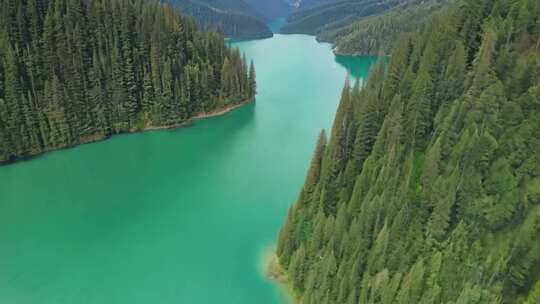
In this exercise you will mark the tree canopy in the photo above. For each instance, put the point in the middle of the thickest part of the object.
(428, 188)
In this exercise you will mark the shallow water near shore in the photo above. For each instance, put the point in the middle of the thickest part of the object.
(172, 216)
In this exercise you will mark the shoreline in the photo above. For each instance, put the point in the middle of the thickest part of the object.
(200, 116)
(97, 138)
(242, 39)
(277, 275)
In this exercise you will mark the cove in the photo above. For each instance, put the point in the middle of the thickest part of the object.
(172, 216)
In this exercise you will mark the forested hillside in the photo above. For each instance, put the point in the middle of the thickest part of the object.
(379, 34)
(303, 4)
(312, 18)
(270, 9)
(74, 71)
(234, 18)
(364, 27)
(231, 6)
(428, 190)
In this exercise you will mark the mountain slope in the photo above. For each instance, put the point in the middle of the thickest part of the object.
(364, 27)
(305, 4)
(379, 34)
(271, 9)
(234, 18)
(231, 6)
(75, 71)
(312, 20)
(428, 190)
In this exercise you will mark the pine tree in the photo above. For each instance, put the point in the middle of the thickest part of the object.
(252, 83)
(316, 162)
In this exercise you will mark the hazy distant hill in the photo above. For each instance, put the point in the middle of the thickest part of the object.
(380, 33)
(242, 7)
(303, 4)
(314, 15)
(235, 18)
(271, 9)
(361, 27)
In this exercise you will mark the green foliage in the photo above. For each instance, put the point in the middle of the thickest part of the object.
(429, 188)
(501, 198)
(85, 70)
(534, 295)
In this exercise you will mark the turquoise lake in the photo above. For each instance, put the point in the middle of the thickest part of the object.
(173, 216)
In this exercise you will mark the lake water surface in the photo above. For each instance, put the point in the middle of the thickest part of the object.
(173, 216)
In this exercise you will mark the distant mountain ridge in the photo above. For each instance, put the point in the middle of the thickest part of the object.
(303, 4)
(361, 27)
(315, 15)
(235, 18)
(379, 33)
(271, 9)
(231, 6)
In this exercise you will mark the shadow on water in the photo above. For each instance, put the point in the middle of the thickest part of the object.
(357, 66)
(234, 122)
(244, 115)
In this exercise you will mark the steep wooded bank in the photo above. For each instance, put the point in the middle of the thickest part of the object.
(428, 190)
(74, 71)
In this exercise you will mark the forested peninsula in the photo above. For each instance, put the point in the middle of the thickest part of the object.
(428, 190)
(74, 71)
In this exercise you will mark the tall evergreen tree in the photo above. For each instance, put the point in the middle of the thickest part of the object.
(252, 82)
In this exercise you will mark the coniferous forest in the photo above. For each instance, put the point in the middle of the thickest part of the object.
(428, 189)
(74, 71)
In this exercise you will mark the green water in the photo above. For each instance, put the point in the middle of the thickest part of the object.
(356, 66)
(179, 216)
